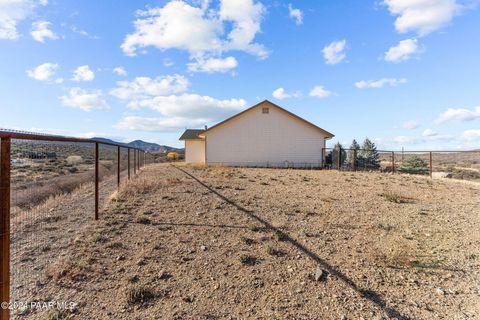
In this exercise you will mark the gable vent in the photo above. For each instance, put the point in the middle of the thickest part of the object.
(265, 110)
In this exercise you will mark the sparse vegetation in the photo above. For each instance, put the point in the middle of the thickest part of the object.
(414, 165)
(200, 255)
(248, 260)
(395, 197)
(138, 294)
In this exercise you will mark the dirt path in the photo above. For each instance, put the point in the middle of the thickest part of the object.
(221, 243)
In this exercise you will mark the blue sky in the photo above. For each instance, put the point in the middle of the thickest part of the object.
(403, 73)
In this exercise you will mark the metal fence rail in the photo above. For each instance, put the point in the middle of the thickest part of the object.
(451, 164)
(36, 168)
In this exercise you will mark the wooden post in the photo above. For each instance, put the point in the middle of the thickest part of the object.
(393, 161)
(118, 166)
(134, 161)
(354, 160)
(5, 226)
(431, 165)
(96, 180)
(128, 163)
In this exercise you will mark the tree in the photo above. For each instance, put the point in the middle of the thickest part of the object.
(369, 155)
(351, 153)
(414, 165)
(337, 149)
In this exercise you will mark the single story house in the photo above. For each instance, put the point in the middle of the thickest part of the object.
(265, 135)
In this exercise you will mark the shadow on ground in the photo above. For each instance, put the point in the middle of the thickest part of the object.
(372, 296)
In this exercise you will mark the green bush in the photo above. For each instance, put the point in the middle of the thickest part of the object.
(414, 165)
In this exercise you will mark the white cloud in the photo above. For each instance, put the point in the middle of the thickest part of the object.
(144, 87)
(460, 114)
(422, 16)
(280, 94)
(200, 30)
(213, 65)
(84, 33)
(155, 124)
(376, 84)
(168, 62)
(83, 73)
(43, 72)
(320, 92)
(429, 133)
(85, 100)
(335, 52)
(120, 71)
(13, 12)
(180, 111)
(402, 51)
(192, 106)
(40, 31)
(406, 140)
(411, 124)
(471, 135)
(296, 14)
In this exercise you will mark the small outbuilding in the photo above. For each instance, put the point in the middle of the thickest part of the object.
(264, 135)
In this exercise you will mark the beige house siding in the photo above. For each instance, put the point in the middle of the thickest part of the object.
(258, 139)
(195, 151)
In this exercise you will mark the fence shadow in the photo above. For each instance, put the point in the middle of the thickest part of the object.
(372, 296)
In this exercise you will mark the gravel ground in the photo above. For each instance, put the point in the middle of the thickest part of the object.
(221, 243)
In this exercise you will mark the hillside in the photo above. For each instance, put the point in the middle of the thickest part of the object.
(147, 146)
(152, 147)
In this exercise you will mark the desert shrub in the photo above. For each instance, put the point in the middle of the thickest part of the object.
(465, 174)
(60, 315)
(74, 160)
(73, 170)
(248, 260)
(138, 294)
(414, 165)
(172, 156)
(137, 187)
(395, 197)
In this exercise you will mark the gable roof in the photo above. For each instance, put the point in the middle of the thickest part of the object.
(192, 134)
(328, 135)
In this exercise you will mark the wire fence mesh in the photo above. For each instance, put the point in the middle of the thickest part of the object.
(48, 194)
(463, 165)
(42, 174)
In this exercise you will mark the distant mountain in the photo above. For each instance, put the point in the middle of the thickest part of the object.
(147, 146)
(152, 147)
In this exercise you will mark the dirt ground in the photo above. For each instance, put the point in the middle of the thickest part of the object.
(182, 242)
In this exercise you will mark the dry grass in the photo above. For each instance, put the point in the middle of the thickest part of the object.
(138, 294)
(207, 258)
(137, 187)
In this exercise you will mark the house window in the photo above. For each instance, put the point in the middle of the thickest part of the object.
(265, 110)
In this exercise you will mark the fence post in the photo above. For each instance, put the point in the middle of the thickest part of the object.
(118, 166)
(96, 180)
(339, 159)
(323, 157)
(128, 163)
(393, 161)
(134, 161)
(431, 165)
(354, 160)
(5, 226)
